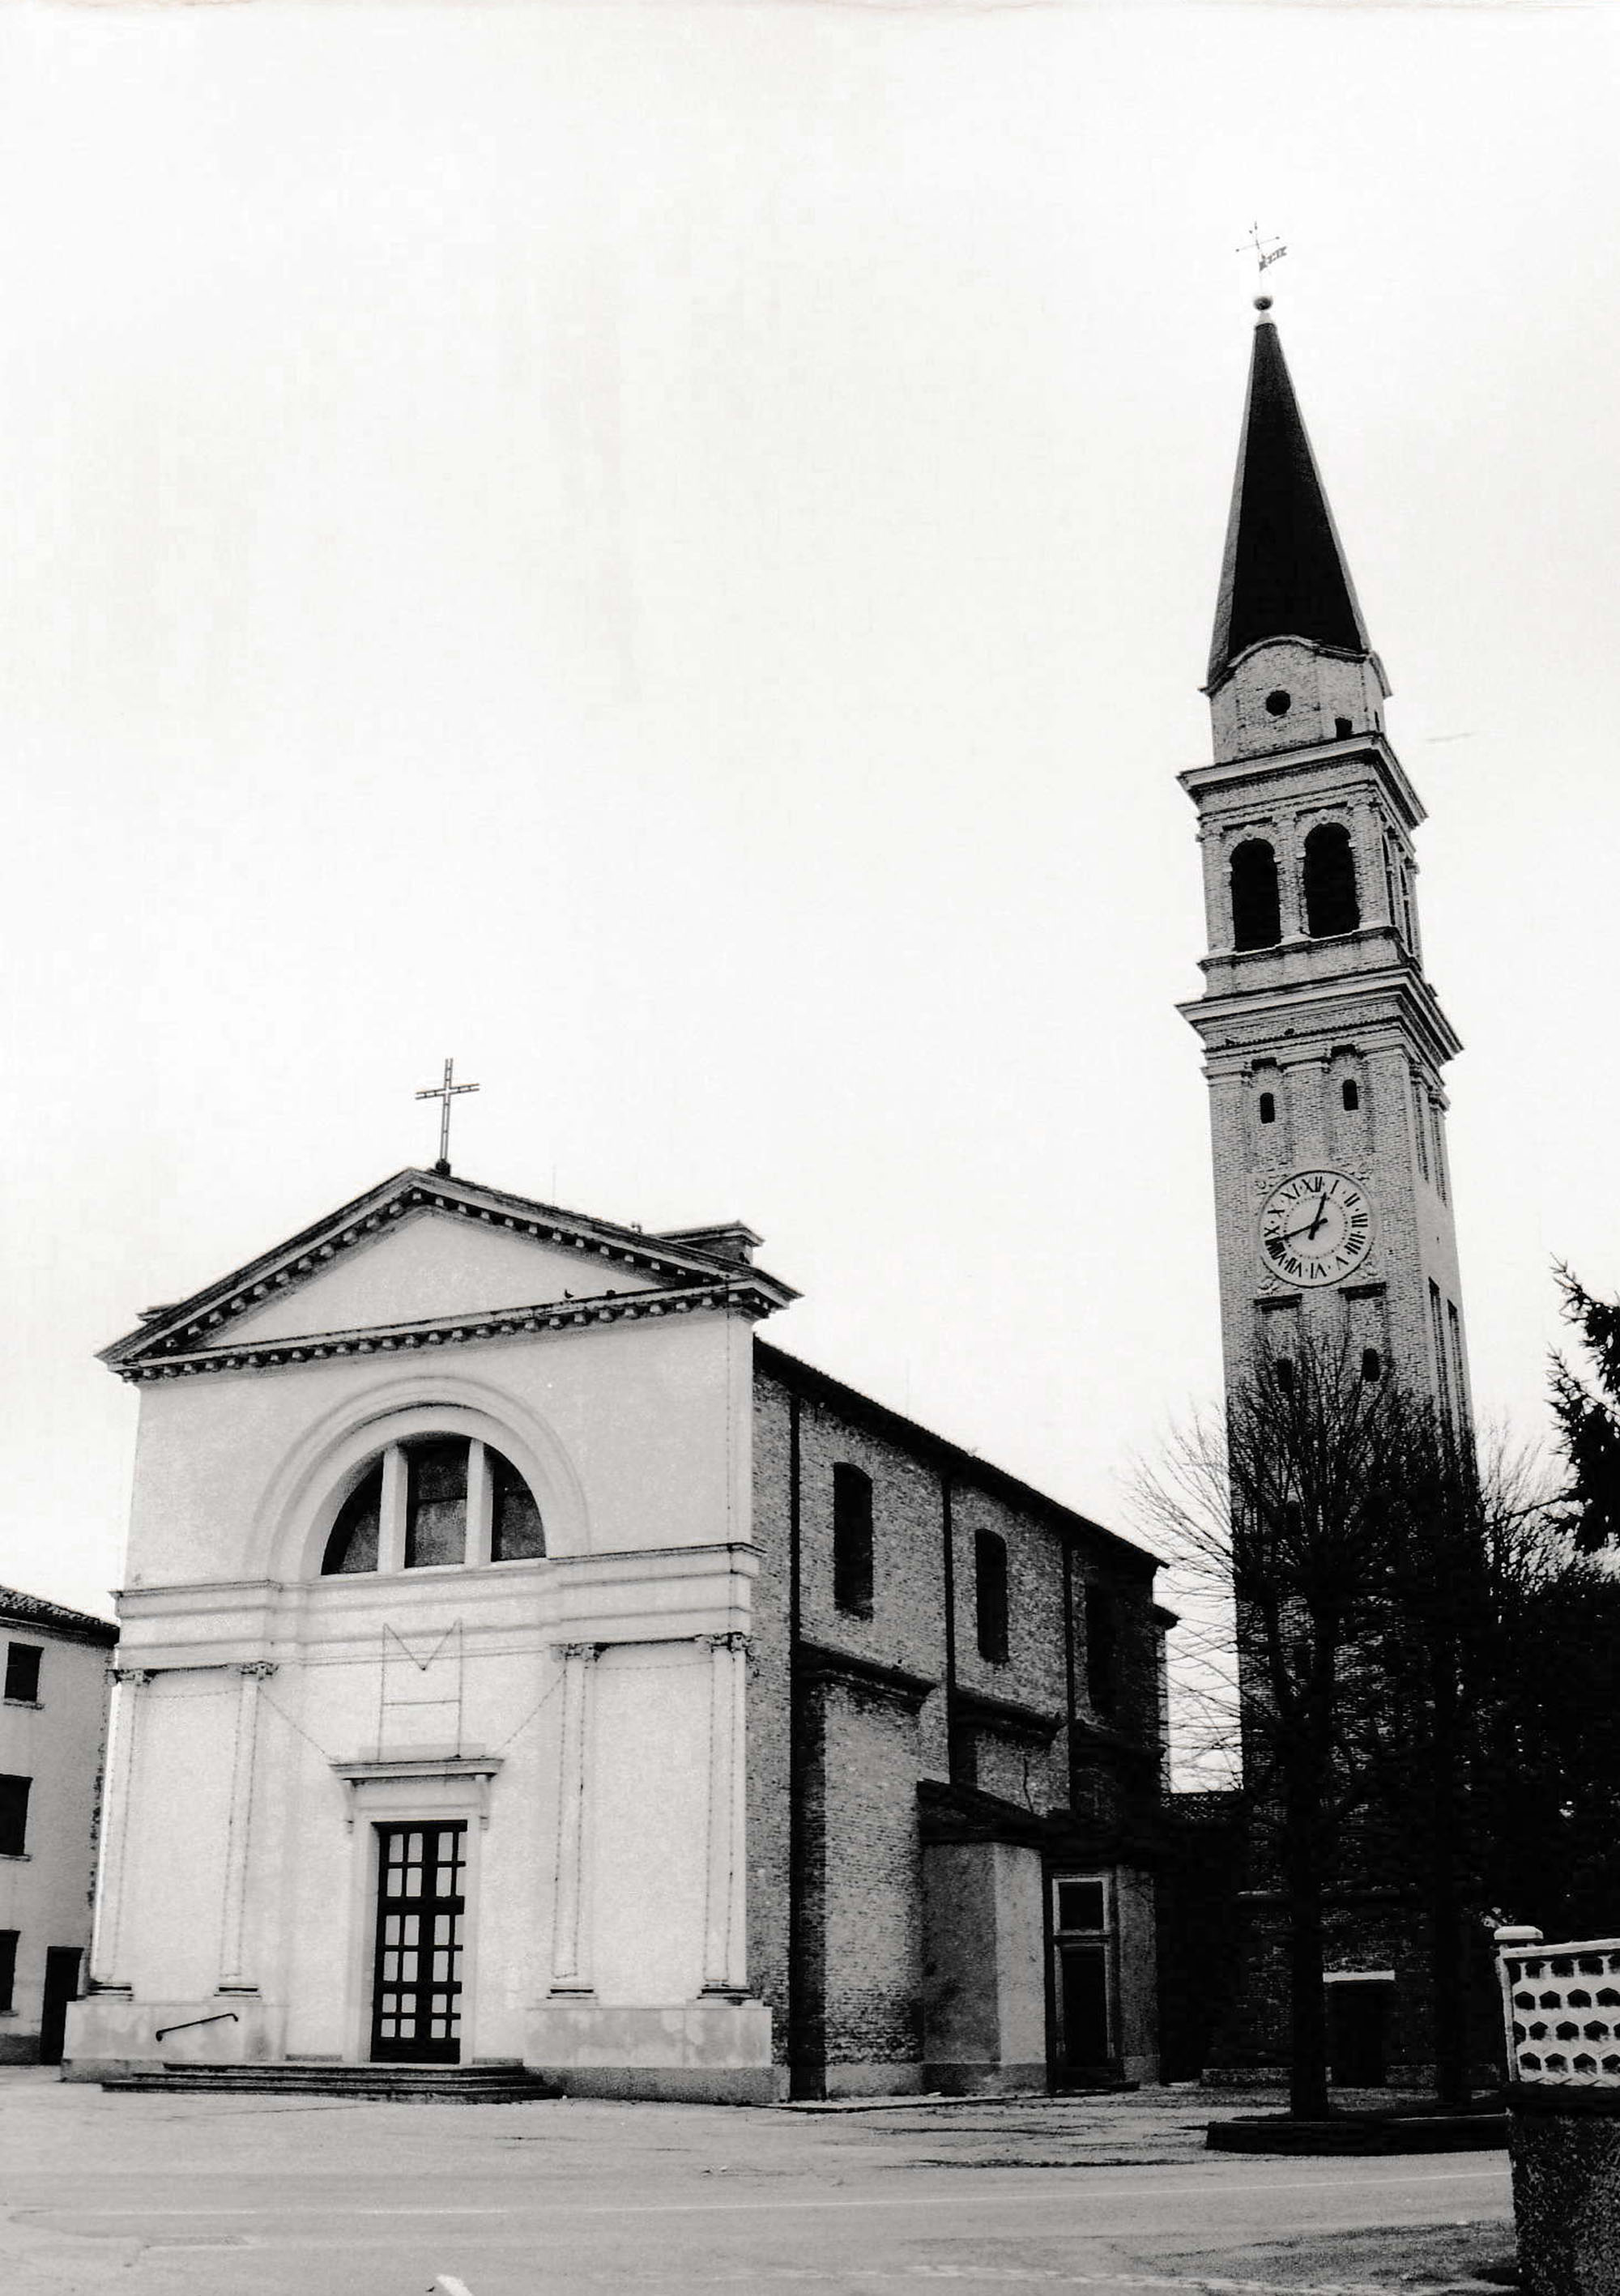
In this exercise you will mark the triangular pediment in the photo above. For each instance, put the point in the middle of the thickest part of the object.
(423, 1249)
(434, 1263)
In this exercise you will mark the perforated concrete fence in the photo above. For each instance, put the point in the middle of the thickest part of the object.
(1561, 2008)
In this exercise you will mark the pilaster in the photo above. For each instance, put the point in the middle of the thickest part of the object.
(233, 1974)
(726, 1924)
(570, 1932)
(128, 1682)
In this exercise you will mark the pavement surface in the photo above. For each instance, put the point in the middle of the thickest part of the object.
(181, 2196)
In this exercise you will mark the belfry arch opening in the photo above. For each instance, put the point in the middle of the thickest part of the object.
(1256, 912)
(1331, 901)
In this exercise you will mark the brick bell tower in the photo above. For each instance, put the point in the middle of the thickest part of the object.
(1324, 1042)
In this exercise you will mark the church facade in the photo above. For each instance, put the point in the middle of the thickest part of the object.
(522, 1663)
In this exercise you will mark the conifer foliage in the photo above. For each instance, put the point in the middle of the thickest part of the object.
(1588, 1415)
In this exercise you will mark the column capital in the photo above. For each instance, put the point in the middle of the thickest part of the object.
(576, 1650)
(731, 1640)
(255, 1669)
(138, 1676)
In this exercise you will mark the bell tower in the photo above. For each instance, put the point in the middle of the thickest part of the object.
(1324, 1042)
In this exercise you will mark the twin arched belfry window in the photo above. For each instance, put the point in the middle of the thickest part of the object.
(434, 1499)
(1331, 906)
(1256, 912)
(1331, 901)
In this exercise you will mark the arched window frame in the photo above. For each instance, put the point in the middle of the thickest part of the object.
(1255, 893)
(1331, 881)
(397, 1463)
(293, 1518)
(300, 1507)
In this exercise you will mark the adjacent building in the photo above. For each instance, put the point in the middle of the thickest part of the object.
(52, 1736)
(524, 1662)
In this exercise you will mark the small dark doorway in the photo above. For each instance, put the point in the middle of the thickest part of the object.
(61, 1987)
(1084, 2046)
(1082, 2008)
(1358, 2032)
(415, 2017)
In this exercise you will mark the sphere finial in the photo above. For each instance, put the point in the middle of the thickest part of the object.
(1263, 302)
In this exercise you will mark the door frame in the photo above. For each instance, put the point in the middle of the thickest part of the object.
(1106, 1939)
(376, 2051)
(1376, 1985)
(422, 1792)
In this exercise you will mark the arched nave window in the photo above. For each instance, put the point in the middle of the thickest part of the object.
(431, 1499)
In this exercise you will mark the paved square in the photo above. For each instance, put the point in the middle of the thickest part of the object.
(171, 2195)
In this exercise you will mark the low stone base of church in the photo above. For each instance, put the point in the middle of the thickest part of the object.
(713, 2052)
(972, 2077)
(108, 2034)
(875, 2077)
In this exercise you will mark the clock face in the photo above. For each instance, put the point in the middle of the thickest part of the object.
(1316, 1227)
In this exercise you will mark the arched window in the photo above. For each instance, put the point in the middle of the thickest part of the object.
(1268, 1108)
(1256, 916)
(1331, 906)
(852, 1541)
(989, 1595)
(353, 1543)
(516, 1533)
(435, 1500)
(1372, 1364)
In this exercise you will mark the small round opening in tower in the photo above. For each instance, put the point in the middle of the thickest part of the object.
(1279, 703)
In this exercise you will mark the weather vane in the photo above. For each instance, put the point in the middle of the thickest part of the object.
(1266, 250)
(445, 1091)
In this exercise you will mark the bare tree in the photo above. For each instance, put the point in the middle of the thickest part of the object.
(1421, 1675)
(1295, 1505)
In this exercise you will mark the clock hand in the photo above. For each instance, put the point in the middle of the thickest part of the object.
(1322, 1213)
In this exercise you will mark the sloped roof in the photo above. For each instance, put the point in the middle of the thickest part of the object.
(1284, 573)
(965, 1465)
(195, 1333)
(20, 1609)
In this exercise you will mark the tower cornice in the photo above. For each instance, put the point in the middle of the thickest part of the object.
(1306, 1015)
(1234, 775)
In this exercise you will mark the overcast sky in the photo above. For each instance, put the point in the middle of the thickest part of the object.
(667, 551)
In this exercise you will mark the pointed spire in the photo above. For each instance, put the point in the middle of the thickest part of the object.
(1284, 573)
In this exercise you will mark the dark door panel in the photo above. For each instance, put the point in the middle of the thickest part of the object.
(417, 1974)
(61, 1986)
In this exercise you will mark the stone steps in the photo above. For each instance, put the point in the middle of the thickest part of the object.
(401, 2084)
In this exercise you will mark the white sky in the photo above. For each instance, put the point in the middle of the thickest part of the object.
(669, 551)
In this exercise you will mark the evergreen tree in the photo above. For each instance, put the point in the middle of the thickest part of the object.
(1588, 1415)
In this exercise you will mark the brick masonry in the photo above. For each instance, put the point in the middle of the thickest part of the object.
(1289, 1029)
(850, 1715)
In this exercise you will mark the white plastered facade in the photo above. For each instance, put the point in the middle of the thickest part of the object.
(581, 1716)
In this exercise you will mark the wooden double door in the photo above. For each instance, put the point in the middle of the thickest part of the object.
(416, 1982)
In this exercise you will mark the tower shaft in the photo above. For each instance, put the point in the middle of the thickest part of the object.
(1324, 1041)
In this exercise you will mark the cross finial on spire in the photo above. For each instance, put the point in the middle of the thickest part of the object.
(446, 1093)
(1266, 251)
